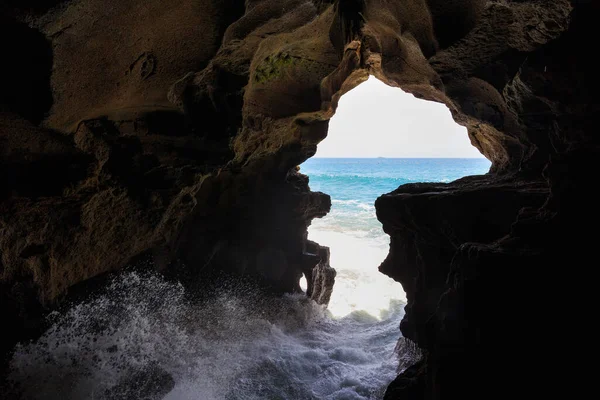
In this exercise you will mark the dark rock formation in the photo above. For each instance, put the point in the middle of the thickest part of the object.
(492, 306)
(428, 223)
(320, 278)
(170, 131)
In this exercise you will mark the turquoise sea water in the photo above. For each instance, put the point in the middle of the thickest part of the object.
(241, 346)
(355, 183)
(351, 230)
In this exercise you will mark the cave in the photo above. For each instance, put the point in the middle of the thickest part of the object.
(168, 135)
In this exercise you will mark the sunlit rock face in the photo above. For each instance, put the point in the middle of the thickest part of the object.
(170, 132)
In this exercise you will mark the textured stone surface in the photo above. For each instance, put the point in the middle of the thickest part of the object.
(493, 308)
(171, 131)
(320, 279)
(428, 223)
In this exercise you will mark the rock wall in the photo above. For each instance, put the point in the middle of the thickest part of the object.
(481, 266)
(171, 131)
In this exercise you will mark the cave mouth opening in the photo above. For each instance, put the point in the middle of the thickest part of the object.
(380, 138)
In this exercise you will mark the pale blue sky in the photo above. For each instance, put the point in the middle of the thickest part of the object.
(376, 120)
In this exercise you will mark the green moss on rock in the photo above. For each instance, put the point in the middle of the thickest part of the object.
(272, 67)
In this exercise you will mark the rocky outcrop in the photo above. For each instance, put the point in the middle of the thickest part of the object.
(491, 309)
(429, 222)
(171, 131)
(320, 278)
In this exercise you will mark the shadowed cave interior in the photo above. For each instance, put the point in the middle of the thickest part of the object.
(167, 135)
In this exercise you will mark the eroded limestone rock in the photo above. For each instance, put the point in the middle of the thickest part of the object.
(172, 130)
(320, 279)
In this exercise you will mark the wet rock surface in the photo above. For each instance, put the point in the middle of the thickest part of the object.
(320, 278)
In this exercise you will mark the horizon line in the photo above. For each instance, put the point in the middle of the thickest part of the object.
(474, 158)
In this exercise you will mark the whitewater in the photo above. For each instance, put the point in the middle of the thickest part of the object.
(147, 332)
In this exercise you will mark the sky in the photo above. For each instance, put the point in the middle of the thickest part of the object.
(376, 120)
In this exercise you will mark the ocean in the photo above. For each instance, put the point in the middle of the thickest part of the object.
(144, 332)
(351, 230)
